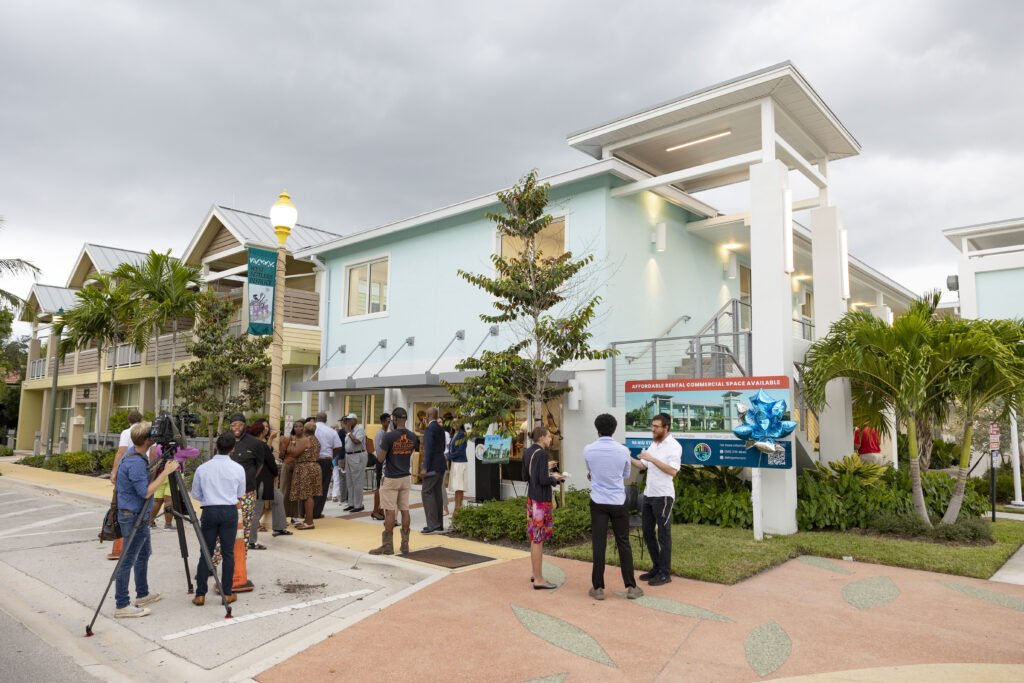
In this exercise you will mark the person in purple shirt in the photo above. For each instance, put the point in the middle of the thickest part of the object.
(608, 467)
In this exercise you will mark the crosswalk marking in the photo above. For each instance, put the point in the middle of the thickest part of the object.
(25, 512)
(52, 531)
(258, 615)
(55, 520)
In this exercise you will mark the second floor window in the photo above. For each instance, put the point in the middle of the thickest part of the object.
(550, 242)
(367, 288)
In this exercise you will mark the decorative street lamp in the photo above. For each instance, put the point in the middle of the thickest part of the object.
(283, 216)
(56, 325)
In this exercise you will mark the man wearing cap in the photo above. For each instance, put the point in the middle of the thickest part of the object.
(397, 448)
(355, 462)
(330, 448)
(248, 452)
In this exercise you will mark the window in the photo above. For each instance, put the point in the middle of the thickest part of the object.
(126, 356)
(165, 394)
(550, 241)
(291, 401)
(368, 288)
(366, 407)
(126, 397)
(65, 410)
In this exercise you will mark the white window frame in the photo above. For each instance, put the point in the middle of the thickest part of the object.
(346, 269)
(562, 214)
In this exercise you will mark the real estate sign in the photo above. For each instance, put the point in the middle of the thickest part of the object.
(262, 278)
(704, 412)
(497, 449)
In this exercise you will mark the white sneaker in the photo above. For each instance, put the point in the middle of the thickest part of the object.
(131, 611)
(148, 600)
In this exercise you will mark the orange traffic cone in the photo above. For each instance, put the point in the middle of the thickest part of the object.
(115, 553)
(240, 582)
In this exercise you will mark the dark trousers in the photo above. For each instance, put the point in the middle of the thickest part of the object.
(600, 515)
(657, 515)
(219, 523)
(432, 492)
(326, 470)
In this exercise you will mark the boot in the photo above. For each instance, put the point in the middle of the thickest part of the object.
(387, 545)
(405, 541)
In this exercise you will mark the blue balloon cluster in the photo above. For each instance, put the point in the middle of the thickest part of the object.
(763, 423)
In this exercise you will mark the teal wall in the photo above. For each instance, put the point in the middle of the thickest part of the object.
(999, 293)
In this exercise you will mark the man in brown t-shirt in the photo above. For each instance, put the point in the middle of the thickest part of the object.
(397, 448)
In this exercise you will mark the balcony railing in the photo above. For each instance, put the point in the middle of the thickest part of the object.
(803, 329)
(126, 356)
(37, 369)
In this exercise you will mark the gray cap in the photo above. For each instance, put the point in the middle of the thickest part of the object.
(351, 416)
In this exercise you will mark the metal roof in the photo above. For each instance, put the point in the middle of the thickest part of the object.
(51, 299)
(253, 228)
(106, 259)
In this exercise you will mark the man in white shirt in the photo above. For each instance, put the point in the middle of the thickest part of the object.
(219, 486)
(662, 460)
(330, 447)
(355, 462)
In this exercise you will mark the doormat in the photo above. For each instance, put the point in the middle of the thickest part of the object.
(446, 557)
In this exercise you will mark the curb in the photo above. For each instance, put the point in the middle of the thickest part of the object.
(51, 490)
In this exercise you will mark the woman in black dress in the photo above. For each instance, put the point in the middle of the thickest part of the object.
(540, 522)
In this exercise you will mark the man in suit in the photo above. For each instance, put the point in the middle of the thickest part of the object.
(432, 473)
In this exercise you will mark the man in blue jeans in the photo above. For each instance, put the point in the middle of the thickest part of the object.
(219, 486)
(134, 491)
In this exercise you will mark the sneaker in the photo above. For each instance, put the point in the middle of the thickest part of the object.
(596, 593)
(660, 580)
(131, 611)
(147, 600)
(647, 576)
(358, 509)
(633, 592)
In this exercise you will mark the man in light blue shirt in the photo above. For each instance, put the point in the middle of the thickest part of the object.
(608, 467)
(219, 486)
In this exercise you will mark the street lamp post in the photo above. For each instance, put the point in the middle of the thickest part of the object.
(283, 216)
(56, 324)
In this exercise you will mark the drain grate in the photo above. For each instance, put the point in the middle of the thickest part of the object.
(446, 557)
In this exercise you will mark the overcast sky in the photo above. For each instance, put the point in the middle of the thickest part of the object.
(122, 122)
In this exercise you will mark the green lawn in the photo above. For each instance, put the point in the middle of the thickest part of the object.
(710, 553)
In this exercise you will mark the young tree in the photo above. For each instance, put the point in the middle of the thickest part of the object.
(531, 292)
(219, 358)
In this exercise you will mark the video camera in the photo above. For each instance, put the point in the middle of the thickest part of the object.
(169, 431)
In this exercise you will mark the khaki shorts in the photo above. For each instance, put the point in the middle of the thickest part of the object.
(394, 493)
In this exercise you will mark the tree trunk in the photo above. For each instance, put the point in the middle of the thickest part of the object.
(924, 443)
(99, 391)
(953, 511)
(174, 342)
(209, 433)
(156, 371)
(917, 493)
(110, 396)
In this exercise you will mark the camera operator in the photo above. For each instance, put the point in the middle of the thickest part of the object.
(219, 486)
(133, 499)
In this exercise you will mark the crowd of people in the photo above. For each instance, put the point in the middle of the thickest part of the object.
(255, 473)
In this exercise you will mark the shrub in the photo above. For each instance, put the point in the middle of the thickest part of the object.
(869, 473)
(704, 504)
(1004, 487)
(507, 519)
(904, 524)
(107, 462)
(79, 462)
(964, 530)
(32, 460)
(6, 452)
(56, 463)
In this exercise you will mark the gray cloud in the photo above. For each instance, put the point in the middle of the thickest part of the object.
(122, 122)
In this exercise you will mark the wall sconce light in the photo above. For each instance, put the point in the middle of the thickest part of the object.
(659, 238)
(732, 266)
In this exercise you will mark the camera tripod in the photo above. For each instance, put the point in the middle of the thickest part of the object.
(183, 510)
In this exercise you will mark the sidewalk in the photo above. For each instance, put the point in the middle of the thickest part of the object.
(358, 533)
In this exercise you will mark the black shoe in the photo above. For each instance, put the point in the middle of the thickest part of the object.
(282, 532)
(426, 530)
(358, 509)
(348, 508)
(647, 576)
(660, 580)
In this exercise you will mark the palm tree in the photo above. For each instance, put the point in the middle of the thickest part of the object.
(165, 291)
(14, 266)
(905, 367)
(996, 375)
(90, 322)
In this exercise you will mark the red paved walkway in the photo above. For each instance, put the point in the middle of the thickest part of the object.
(797, 619)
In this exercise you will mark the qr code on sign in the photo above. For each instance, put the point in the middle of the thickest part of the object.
(777, 458)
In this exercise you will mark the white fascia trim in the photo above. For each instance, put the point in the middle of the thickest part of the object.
(615, 167)
(729, 88)
(869, 272)
(220, 275)
(78, 262)
(194, 244)
(954, 235)
(222, 254)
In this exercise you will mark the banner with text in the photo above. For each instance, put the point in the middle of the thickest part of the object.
(704, 412)
(262, 279)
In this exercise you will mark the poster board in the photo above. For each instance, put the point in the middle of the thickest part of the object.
(704, 412)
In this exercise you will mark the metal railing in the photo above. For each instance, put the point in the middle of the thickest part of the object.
(720, 349)
(803, 329)
(127, 356)
(37, 369)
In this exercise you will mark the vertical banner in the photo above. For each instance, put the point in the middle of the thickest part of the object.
(262, 278)
(704, 413)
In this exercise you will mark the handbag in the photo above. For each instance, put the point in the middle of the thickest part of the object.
(111, 528)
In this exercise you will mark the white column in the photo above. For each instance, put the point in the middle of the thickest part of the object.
(771, 325)
(1015, 458)
(888, 440)
(836, 420)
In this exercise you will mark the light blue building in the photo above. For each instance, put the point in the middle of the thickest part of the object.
(679, 284)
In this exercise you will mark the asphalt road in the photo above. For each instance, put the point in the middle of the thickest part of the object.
(27, 658)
